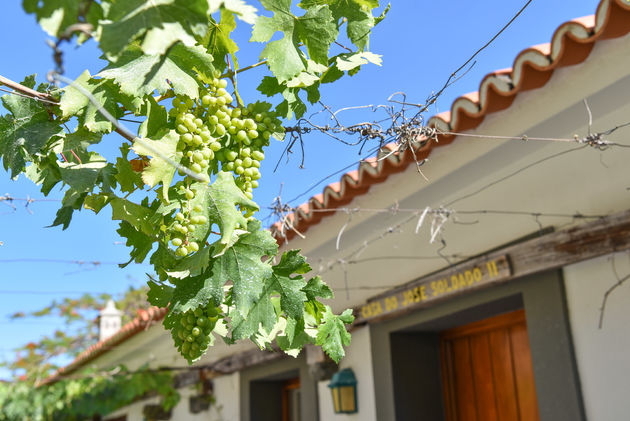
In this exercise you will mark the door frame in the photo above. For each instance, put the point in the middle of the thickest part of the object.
(542, 296)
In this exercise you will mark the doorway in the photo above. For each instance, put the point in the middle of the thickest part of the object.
(487, 371)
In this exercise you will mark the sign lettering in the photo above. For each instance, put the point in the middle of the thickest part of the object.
(438, 286)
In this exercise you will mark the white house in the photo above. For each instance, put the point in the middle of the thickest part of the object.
(499, 317)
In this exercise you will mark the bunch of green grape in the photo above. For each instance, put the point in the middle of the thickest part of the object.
(192, 333)
(217, 135)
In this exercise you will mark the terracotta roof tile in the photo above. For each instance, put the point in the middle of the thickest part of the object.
(570, 44)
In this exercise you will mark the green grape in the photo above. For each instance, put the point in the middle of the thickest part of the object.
(220, 129)
(176, 242)
(201, 321)
(215, 146)
(247, 162)
(196, 331)
(189, 194)
(193, 247)
(198, 312)
(258, 155)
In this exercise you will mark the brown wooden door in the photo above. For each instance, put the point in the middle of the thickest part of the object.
(487, 371)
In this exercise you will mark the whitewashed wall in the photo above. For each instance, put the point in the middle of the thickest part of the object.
(226, 393)
(225, 408)
(359, 359)
(602, 354)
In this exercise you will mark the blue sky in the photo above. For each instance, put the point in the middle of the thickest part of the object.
(422, 42)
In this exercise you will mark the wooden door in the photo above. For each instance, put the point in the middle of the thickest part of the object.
(487, 371)
(291, 400)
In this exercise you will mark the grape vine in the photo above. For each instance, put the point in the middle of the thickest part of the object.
(172, 64)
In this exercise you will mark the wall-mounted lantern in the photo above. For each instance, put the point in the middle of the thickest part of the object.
(343, 386)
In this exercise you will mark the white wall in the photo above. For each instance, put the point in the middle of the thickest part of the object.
(602, 354)
(359, 359)
(225, 408)
(226, 393)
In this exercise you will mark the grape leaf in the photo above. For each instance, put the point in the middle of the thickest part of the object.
(128, 179)
(244, 11)
(219, 42)
(138, 74)
(262, 313)
(156, 121)
(83, 177)
(137, 215)
(161, 24)
(219, 201)
(292, 296)
(347, 62)
(294, 338)
(74, 145)
(141, 243)
(159, 294)
(54, 16)
(316, 288)
(242, 265)
(357, 14)
(194, 292)
(25, 131)
(316, 29)
(75, 103)
(332, 335)
(158, 170)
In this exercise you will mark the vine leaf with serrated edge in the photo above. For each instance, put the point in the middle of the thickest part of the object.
(316, 29)
(25, 131)
(332, 335)
(158, 170)
(74, 103)
(180, 69)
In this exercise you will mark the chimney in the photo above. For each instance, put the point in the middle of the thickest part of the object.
(110, 319)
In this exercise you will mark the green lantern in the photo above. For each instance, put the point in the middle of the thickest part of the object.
(344, 392)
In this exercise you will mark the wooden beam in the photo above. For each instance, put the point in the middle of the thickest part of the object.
(550, 251)
(243, 360)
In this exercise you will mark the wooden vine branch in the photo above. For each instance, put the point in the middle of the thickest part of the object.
(31, 93)
(25, 90)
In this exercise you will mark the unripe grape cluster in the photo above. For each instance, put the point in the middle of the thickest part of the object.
(216, 135)
(193, 331)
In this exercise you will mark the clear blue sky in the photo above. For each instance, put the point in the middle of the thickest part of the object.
(422, 42)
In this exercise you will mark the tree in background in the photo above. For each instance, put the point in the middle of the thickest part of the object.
(35, 361)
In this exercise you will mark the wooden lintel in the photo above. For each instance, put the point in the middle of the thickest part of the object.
(243, 360)
(547, 252)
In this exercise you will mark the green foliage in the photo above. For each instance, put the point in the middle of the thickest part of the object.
(83, 395)
(207, 248)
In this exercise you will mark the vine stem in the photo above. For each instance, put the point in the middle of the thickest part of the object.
(242, 69)
(26, 91)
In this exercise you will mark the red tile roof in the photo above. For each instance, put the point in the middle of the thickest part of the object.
(144, 320)
(571, 44)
